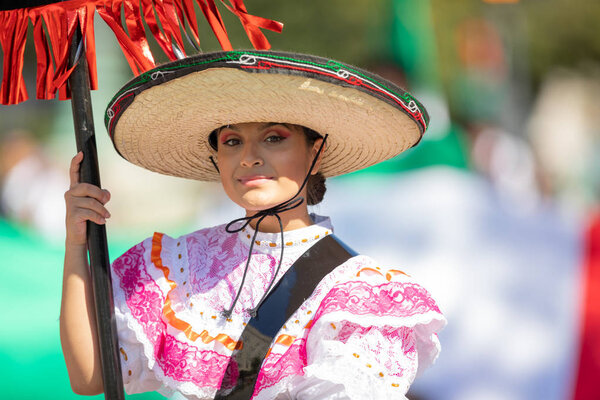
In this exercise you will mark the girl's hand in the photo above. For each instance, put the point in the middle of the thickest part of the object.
(84, 202)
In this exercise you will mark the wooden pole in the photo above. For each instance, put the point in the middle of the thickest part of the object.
(83, 119)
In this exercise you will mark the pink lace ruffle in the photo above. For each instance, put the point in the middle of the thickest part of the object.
(280, 366)
(390, 300)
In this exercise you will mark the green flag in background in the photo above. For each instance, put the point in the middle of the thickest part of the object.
(413, 48)
(31, 361)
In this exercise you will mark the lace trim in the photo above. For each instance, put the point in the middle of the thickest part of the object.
(398, 299)
(298, 239)
(425, 325)
(278, 367)
(169, 384)
(371, 363)
(169, 313)
(305, 240)
(370, 386)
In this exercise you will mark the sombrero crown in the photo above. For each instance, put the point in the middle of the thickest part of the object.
(161, 120)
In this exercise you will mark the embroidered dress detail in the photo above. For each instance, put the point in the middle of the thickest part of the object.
(358, 328)
(169, 313)
(276, 243)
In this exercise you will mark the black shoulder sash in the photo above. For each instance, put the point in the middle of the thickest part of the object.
(287, 296)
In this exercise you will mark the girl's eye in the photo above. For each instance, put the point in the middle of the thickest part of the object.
(274, 138)
(231, 142)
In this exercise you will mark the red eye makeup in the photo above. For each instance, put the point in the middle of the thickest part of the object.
(226, 136)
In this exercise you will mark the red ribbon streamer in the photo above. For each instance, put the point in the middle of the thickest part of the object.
(12, 40)
(171, 24)
(44, 63)
(252, 24)
(136, 51)
(212, 15)
(54, 26)
(588, 371)
(86, 21)
(187, 8)
(152, 15)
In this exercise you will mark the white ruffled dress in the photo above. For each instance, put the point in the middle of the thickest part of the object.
(365, 333)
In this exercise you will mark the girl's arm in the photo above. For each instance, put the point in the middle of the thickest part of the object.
(77, 313)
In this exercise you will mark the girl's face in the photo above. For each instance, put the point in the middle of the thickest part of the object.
(264, 164)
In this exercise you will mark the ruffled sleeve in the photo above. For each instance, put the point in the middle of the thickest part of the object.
(137, 377)
(138, 305)
(370, 337)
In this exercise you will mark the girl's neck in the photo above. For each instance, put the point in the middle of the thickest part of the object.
(292, 219)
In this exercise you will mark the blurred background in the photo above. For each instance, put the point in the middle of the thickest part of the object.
(495, 211)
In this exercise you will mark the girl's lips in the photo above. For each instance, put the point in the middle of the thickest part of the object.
(255, 180)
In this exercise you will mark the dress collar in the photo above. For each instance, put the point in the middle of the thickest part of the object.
(297, 239)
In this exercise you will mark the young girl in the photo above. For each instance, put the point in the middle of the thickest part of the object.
(193, 312)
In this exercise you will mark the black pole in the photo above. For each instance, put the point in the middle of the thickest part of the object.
(81, 103)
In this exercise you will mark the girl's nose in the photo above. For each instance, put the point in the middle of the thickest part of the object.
(250, 156)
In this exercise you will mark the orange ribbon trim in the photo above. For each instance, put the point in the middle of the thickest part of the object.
(168, 311)
(61, 19)
(389, 274)
(393, 272)
(285, 340)
(368, 270)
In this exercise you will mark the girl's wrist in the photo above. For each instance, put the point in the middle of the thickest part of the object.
(75, 246)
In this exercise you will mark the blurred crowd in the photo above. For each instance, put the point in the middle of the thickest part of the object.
(32, 186)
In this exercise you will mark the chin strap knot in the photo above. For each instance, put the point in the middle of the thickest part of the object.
(290, 204)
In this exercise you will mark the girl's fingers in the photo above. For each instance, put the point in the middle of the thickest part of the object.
(92, 204)
(89, 190)
(90, 215)
(74, 168)
(85, 202)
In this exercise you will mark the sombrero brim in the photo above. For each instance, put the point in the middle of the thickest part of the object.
(161, 120)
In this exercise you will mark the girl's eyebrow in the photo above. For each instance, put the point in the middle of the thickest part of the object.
(223, 137)
(260, 127)
(269, 124)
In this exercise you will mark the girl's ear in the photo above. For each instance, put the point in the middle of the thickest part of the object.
(314, 150)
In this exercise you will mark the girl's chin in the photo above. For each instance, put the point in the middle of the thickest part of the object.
(255, 206)
(261, 201)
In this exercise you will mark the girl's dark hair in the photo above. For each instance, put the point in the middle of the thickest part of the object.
(315, 187)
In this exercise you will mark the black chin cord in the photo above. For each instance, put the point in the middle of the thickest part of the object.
(274, 211)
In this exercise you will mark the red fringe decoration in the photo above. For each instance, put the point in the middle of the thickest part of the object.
(12, 40)
(55, 24)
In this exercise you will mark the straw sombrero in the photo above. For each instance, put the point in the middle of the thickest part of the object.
(161, 120)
